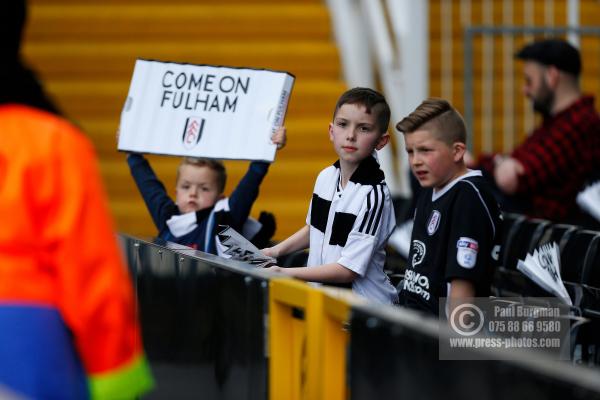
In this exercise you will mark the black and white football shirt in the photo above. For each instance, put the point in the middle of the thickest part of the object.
(351, 226)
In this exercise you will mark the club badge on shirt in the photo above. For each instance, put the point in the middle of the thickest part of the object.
(434, 222)
(466, 253)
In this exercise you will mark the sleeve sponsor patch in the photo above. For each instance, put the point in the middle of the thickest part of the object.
(466, 253)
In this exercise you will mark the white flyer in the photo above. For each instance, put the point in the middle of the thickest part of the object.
(236, 247)
(543, 267)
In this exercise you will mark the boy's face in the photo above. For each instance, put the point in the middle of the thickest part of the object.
(196, 189)
(355, 133)
(433, 162)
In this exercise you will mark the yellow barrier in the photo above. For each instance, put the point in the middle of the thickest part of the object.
(307, 356)
(333, 348)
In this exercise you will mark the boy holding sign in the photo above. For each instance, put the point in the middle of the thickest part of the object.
(200, 206)
(351, 215)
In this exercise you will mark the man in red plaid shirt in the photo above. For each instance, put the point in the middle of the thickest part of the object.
(543, 175)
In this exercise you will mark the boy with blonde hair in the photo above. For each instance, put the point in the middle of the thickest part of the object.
(200, 206)
(455, 235)
(351, 215)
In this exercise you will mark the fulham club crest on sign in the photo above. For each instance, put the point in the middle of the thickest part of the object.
(434, 222)
(192, 132)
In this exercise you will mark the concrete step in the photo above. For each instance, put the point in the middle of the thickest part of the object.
(159, 22)
(115, 60)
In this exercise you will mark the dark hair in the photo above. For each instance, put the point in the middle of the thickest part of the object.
(18, 84)
(438, 116)
(215, 165)
(556, 52)
(371, 100)
(12, 21)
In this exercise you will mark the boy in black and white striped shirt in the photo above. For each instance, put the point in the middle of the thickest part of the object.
(351, 215)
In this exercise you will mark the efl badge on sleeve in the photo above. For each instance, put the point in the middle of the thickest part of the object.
(466, 253)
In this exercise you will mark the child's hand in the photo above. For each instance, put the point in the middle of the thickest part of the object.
(274, 268)
(269, 252)
(279, 137)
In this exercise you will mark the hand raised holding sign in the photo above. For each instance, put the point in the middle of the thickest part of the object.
(279, 137)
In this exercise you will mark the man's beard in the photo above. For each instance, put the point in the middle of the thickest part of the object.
(544, 101)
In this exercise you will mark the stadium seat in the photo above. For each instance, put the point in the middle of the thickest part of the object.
(513, 283)
(555, 233)
(585, 298)
(510, 225)
(573, 254)
(585, 340)
(520, 239)
(591, 268)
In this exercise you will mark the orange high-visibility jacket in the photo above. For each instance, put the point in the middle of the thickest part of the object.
(65, 292)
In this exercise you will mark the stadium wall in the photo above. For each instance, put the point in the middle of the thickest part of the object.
(219, 329)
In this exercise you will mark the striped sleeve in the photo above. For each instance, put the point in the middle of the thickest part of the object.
(369, 233)
(372, 217)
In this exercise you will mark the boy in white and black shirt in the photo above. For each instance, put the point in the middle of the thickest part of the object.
(351, 215)
(456, 231)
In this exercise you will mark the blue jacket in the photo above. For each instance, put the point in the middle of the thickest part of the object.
(162, 207)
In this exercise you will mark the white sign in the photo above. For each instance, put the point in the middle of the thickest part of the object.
(203, 111)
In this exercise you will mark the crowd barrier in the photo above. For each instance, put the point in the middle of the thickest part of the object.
(219, 329)
(203, 322)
